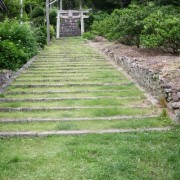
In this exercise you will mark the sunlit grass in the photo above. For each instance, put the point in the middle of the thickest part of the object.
(79, 113)
(151, 155)
(86, 125)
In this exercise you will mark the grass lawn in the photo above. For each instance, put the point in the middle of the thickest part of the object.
(153, 155)
(86, 125)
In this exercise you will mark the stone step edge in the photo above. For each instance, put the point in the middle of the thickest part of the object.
(76, 84)
(111, 118)
(65, 80)
(56, 92)
(80, 132)
(88, 75)
(69, 64)
(26, 109)
(62, 99)
(70, 68)
(79, 71)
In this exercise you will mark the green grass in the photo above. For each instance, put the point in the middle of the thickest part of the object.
(80, 113)
(87, 125)
(84, 94)
(65, 103)
(73, 88)
(71, 82)
(153, 155)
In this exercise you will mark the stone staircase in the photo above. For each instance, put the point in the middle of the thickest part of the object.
(69, 28)
(71, 89)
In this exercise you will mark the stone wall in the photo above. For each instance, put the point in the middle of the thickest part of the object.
(5, 75)
(152, 81)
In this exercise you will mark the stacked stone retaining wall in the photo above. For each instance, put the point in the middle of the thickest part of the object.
(152, 81)
(5, 75)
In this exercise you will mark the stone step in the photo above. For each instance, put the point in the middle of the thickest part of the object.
(67, 65)
(64, 80)
(109, 118)
(63, 92)
(70, 70)
(62, 99)
(25, 109)
(78, 132)
(69, 85)
(49, 72)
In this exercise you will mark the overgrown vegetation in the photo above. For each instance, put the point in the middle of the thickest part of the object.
(148, 26)
(17, 44)
(20, 41)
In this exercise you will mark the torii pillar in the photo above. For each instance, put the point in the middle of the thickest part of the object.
(58, 21)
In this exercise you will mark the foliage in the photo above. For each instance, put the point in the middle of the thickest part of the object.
(11, 56)
(162, 30)
(36, 12)
(40, 35)
(88, 35)
(13, 9)
(148, 26)
(52, 16)
(95, 16)
(17, 43)
(39, 21)
(52, 31)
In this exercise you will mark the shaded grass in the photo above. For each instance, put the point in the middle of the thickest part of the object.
(84, 94)
(101, 102)
(86, 125)
(69, 82)
(79, 113)
(152, 155)
(30, 89)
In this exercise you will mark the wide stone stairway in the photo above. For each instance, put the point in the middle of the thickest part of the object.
(71, 89)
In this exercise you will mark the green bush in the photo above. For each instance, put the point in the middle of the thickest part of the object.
(88, 35)
(52, 31)
(162, 30)
(52, 17)
(40, 35)
(36, 12)
(94, 16)
(39, 21)
(148, 26)
(21, 35)
(20, 41)
(11, 56)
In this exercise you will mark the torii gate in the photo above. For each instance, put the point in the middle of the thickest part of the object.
(65, 14)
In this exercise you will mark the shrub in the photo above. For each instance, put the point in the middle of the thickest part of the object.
(17, 43)
(162, 30)
(20, 35)
(39, 21)
(40, 35)
(52, 17)
(52, 31)
(36, 12)
(94, 16)
(11, 56)
(88, 35)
